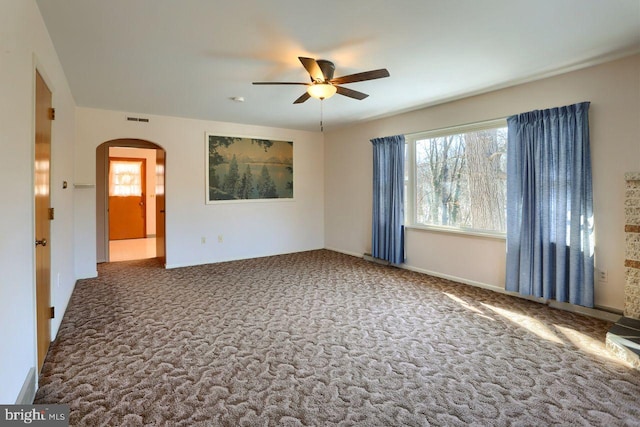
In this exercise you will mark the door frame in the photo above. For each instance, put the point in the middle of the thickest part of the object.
(102, 191)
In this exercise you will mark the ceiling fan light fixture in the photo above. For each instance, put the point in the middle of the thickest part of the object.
(321, 90)
(324, 86)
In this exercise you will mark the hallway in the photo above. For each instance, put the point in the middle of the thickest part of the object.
(130, 249)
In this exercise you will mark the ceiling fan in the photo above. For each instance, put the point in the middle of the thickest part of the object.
(324, 86)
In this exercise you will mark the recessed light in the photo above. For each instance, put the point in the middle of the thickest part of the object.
(238, 99)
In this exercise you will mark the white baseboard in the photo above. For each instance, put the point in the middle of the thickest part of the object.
(598, 313)
(592, 312)
(87, 275)
(240, 258)
(601, 313)
(357, 255)
(455, 279)
(28, 391)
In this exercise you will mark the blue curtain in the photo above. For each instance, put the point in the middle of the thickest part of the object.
(550, 205)
(387, 240)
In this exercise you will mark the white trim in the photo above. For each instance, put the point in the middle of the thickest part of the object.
(183, 265)
(598, 313)
(91, 275)
(459, 231)
(28, 390)
(255, 256)
(410, 183)
(452, 130)
(601, 313)
(32, 237)
(454, 278)
(357, 255)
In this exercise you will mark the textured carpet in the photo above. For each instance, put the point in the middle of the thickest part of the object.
(318, 339)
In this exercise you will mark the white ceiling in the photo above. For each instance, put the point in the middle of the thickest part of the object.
(187, 58)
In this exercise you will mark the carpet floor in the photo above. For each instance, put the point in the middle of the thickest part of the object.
(324, 339)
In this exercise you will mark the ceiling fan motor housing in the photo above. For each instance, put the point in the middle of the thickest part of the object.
(327, 68)
(323, 85)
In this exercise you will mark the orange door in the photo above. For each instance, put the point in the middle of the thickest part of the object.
(127, 207)
(42, 190)
(160, 216)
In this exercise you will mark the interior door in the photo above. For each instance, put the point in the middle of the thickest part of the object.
(42, 189)
(160, 205)
(127, 205)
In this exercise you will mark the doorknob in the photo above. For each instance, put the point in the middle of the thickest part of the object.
(42, 242)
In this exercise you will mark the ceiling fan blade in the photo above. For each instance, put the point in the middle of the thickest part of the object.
(351, 93)
(302, 98)
(312, 68)
(360, 77)
(280, 83)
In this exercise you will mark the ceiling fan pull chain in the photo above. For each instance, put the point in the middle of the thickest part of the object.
(321, 115)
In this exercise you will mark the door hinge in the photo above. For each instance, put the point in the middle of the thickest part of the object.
(52, 113)
(51, 213)
(53, 312)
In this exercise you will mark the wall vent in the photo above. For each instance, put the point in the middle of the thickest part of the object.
(137, 119)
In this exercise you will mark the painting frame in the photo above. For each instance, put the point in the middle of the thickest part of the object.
(246, 169)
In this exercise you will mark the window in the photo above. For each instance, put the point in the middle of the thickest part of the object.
(125, 178)
(456, 178)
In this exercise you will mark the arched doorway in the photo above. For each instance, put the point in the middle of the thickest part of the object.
(120, 155)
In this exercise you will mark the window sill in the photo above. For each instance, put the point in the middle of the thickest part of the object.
(457, 231)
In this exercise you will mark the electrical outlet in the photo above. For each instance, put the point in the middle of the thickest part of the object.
(203, 240)
(603, 276)
(220, 238)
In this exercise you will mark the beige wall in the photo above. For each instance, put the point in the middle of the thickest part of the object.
(614, 91)
(248, 229)
(24, 47)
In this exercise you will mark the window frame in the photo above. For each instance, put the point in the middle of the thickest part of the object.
(410, 177)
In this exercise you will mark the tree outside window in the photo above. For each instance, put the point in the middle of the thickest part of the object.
(459, 179)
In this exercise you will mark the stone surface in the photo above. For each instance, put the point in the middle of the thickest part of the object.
(632, 245)
(632, 216)
(632, 176)
(632, 193)
(633, 252)
(623, 339)
(632, 202)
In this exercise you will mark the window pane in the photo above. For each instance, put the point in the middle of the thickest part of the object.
(125, 178)
(461, 180)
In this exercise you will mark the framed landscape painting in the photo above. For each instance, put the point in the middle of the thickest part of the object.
(248, 169)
